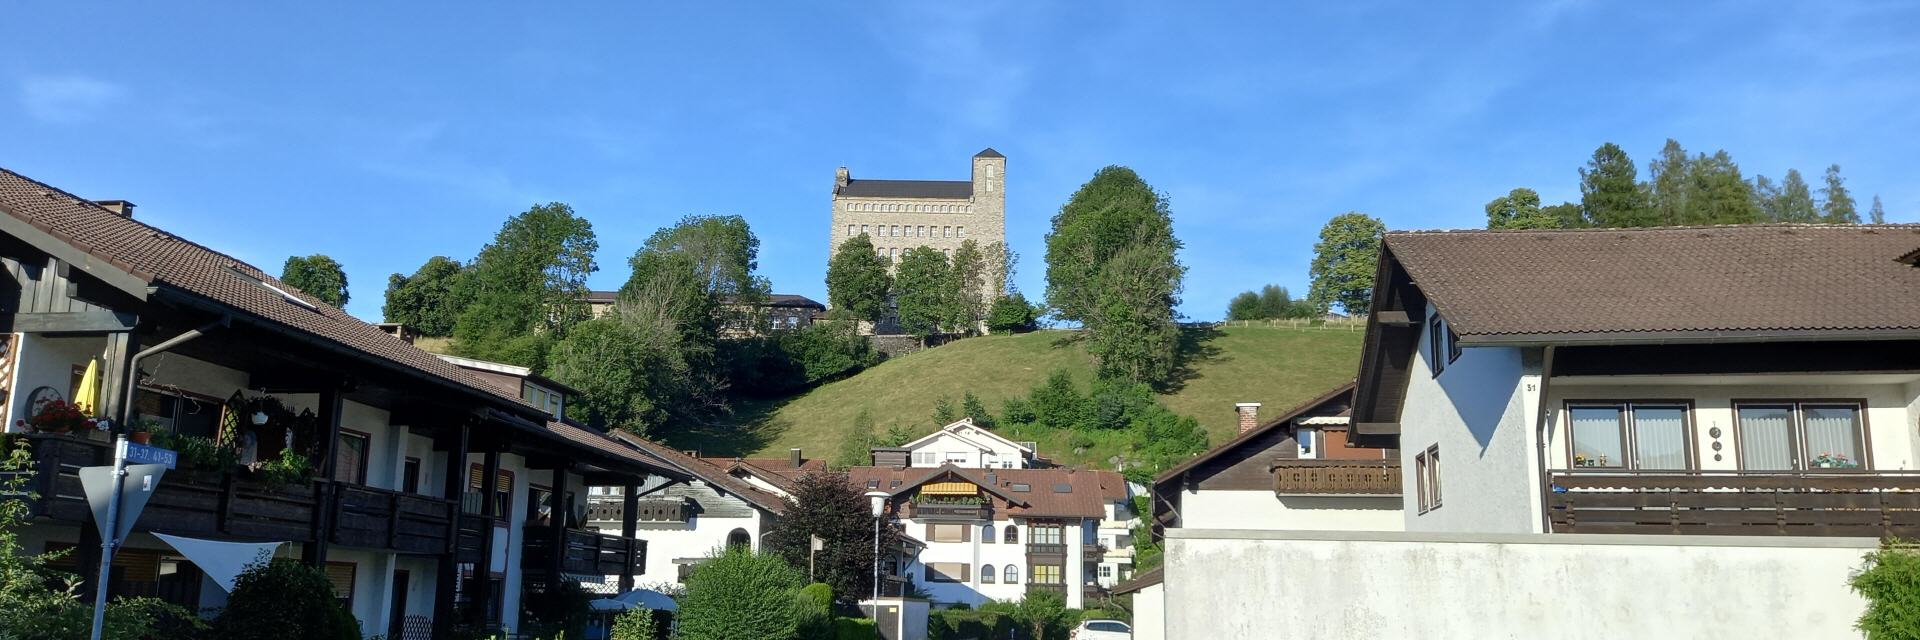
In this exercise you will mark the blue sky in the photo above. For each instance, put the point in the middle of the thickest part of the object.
(385, 133)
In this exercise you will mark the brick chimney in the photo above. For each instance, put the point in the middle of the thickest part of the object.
(1249, 413)
(794, 457)
(122, 207)
(840, 177)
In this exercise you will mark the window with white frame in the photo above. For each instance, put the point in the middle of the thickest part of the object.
(925, 459)
(1309, 440)
(1426, 474)
(849, 231)
(1629, 435)
(957, 457)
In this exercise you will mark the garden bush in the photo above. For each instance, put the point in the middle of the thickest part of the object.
(853, 629)
(956, 624)
(1890, 582)
(814, 606)
(633, 624)
(284, 599)
(741, 594)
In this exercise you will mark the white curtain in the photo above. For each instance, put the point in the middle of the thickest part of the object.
(1659, 437)
(1766, 438)
(1596, 437)
(1833, 432)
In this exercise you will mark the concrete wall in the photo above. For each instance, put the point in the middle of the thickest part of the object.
(1478, 410)
(671, 545)
(1215, 509)
(1150, 613)
(1263, 584)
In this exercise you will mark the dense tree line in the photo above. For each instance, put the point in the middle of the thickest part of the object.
(929, 291)
(1271, 302)
(1681, 189)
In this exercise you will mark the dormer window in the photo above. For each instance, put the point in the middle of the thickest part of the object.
(551, 401)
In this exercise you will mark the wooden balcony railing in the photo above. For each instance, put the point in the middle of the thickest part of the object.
(223, 505)
(387, 519)
(1858, 504)
(949, 511)
(1292, 476)
(587, 553)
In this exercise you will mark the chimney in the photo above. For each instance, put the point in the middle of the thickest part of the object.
(122, 207)
(840, 177)
(1249, 415)
(793, 456)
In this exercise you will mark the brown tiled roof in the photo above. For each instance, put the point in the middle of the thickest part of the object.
(605, 444)
(773, 470)
(1502, 286)
(169, 260)
(1140, 581)
(1342, 394)
(708, 472)
(1091, 490)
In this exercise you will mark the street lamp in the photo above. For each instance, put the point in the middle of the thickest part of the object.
(879, 500)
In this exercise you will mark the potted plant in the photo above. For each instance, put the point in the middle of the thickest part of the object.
(57, 416)
(141, 431)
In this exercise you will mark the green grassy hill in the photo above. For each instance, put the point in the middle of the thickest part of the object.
(1278, 367)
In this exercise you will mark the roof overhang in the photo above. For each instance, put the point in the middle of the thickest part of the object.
(119, 275)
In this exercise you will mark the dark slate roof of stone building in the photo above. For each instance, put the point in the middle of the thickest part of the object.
(988, 153)
(949, 189)
(1726, 281)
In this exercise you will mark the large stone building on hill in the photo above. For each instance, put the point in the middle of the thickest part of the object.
(902, 214)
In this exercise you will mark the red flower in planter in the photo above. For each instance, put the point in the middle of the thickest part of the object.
(59, 416)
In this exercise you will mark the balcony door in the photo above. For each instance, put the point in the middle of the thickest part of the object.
(1629, 435)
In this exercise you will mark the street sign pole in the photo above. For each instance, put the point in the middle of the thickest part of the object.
(111, 540)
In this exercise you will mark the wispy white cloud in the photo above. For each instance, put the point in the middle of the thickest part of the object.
(961, 54)
(67, 99)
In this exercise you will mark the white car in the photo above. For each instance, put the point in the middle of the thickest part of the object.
(1102, 630)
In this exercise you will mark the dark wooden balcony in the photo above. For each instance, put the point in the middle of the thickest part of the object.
(1292, 476)
(586, 553)
(1792, 503)
(948, 511)
(386, 519)
(1050, 551)
(1055, 589)
(224, 505)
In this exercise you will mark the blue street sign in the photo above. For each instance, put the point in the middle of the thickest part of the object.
(147, 454)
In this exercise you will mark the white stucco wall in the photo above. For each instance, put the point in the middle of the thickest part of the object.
(1478, 410)
(1890, 410)
(1215, 509)
(1257, 584)
(670, 545)
(972, 448)
(1149, 613)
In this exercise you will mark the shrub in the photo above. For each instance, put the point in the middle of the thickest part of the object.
(828, 349)
(954, 624)
(1056, 403)
(281, 599)
(853, 629)
(815, 609)
(157, 619)
(551, 612)
(740, 594)
(1016, 411)
(1012, 314)
(634, 624)
(1890, 581)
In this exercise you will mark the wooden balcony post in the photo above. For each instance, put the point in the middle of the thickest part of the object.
(629, 528)
(483, 570)
(315, 552)
(557, 522)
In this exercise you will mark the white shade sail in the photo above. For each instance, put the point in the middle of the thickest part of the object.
(221, 560)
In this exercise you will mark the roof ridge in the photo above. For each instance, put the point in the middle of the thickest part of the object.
(1758, 225)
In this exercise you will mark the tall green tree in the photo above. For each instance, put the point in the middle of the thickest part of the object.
(1519, 209)
(1717, 194)
(856, 446)
(968, 271)
(1766, 199)
(737, 593)
(430, 300)
(1669, 186)
(527, 287)
(1275, 302)
(927, 296)
(319, 276)
(1610, 191)
(1245, 306)
(724, 255)
(857, 279)
(1795, 200)
(629, 371)
(1877, 214)
(1132, 333)
(1114, 210)
(825, 504)
(1344, 262)
(1566, 215)
(1000, 263)
(1837, 206)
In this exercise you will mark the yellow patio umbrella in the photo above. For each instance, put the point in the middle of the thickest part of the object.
(87, 397)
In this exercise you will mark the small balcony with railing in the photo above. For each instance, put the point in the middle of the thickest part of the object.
(1319, 477)
(1763, 503)
(950, 502)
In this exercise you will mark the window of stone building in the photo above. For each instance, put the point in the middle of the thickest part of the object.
(920, 232)
(849, 231)
(863, 231)
(946, 232)
(896, 230)
(960, 231)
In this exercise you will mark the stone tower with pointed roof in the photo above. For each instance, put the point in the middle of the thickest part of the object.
(898, 215)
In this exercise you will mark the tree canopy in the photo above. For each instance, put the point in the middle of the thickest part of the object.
(430, 300)
(1610, 191)
(926, 300)
(1114, 210)
(737, 593)
(528, 286)
(827, 505)
(1344, 262)
(1838, 207)
(857, 280)
(318, 275)
(1519, 209)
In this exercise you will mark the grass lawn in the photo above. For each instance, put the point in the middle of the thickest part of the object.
(1277, 366)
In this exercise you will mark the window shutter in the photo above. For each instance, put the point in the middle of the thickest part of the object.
(966, 533)
(966, 571)
(340, 575)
